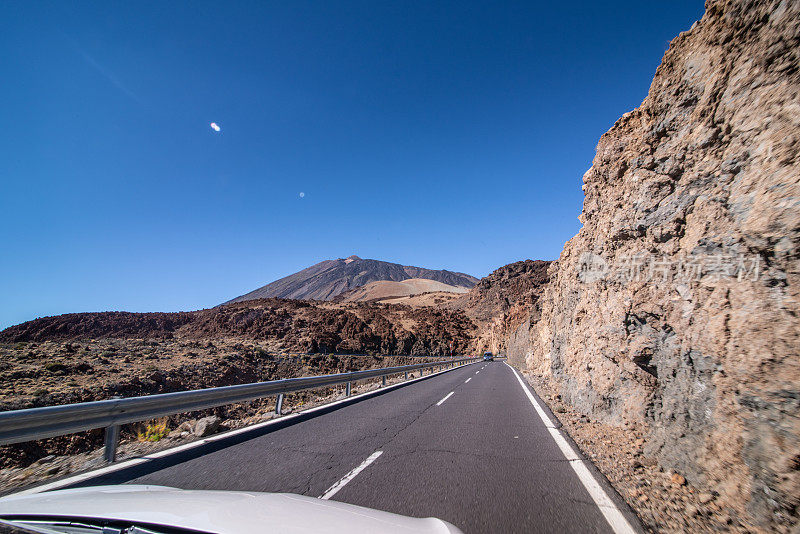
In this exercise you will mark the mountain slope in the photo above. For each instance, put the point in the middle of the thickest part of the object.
(502, 301)
(329, 278)
(387, 288)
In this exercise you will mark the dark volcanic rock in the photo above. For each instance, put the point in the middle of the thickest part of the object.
(503, 303)
(290, 325)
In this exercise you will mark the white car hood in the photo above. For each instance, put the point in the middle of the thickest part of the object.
(220, 512)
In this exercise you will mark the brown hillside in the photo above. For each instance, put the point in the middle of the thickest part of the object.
(503, 300)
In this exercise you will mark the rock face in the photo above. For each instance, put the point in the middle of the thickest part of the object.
(503, 302)
(675, 308)
(330, 278)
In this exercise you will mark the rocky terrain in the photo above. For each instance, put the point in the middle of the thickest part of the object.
(93, 356)
(330, 278)
(502, 301)
(674, 311)
(279, 325)
(51, 373)
(47, 373)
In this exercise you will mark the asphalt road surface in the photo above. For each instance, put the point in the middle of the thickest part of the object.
(466, 446)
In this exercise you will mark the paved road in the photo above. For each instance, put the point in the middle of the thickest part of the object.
(482, 459)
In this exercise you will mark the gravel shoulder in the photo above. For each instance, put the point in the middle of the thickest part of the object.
(663, 500)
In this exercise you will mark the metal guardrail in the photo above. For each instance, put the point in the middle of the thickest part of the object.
(17, 426)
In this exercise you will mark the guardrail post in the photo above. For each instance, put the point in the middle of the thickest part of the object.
(348, 389)
(383, 381)
(279, 404)
(112, 438)
(406, 375)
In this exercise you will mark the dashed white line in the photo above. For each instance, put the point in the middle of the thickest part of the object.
(476, 372)
(444, 399)
(467, 380)
(64, 482)
(350, 476)
(609, 510)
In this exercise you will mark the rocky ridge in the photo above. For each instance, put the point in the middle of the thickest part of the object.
(281, 325)
(503, 301)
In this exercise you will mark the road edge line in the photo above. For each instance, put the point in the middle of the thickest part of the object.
(612, 514)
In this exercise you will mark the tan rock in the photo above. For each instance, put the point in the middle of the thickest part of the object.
(186, 426)
(678, 479)
(206, 426)
(675, 308)
(705, 497)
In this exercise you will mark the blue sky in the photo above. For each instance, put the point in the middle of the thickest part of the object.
(440, 134)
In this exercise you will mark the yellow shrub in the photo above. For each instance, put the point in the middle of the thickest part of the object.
(153, 431)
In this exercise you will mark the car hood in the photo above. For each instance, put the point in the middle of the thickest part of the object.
(220, 512)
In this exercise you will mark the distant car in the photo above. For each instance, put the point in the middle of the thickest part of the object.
(136, 509)
(488, 356)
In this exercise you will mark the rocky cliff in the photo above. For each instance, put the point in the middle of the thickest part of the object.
(502, 301)
(675, 308)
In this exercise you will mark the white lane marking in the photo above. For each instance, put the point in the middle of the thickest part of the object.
(609, 510)
(476, 372)
(467, 380)
(444, 399)
(81, 477)
(333, 490)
